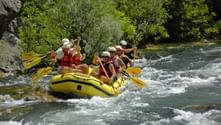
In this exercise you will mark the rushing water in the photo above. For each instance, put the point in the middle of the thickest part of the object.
(174, 79)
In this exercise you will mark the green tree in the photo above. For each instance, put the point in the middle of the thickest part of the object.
(215, 6)
(43, 25)
(190, 19)
(98, 22)
(149, 17)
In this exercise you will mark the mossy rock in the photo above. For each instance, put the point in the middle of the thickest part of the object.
(2, 74)
(12, 113)
(27, 92)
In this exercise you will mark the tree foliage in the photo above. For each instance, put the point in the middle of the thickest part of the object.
(101, 23)
(98, 23)
(190, 19)
(148, 16)
(42, 27)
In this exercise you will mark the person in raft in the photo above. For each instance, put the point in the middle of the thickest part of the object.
(106, 72)
(127, 61)
(68, 59)
(129, 50)
(116, 60)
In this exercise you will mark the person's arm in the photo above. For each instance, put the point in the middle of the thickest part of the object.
(129, 61)
(121, 64)
(128, 50)
(95, 60)
(112, 70)
(83, 56)
(73, 52)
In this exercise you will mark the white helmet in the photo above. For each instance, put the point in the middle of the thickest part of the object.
(105, 54)
(66, 45)
(111, 49)
(59, 53)
(65, 40)
(123, 42)
(118, 47)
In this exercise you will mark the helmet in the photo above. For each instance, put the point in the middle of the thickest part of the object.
(123, 42)
(65, 40)
(111, 49)
(118, 47)
(59, 53)
(66, 45)
(105, 54)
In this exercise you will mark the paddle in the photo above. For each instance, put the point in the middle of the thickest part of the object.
(78, 46)
(135, 80)
(30, 55)
(41, 72)
(31, 59)
(28, 63)
(102, 67)
(134, 57)
(133, 70)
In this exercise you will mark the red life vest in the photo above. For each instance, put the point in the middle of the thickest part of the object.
(68, 60)
(106, 67)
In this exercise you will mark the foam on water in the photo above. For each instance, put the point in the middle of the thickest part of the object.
(191, 118)
(167, 85)
(12, 123)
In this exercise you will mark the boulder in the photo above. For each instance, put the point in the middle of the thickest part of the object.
(9, 10)
(10, 52)
(10, 57)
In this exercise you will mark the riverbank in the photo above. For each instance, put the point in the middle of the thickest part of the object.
(170, 46)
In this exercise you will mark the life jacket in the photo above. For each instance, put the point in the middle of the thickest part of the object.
(102, 72)
(68, 60)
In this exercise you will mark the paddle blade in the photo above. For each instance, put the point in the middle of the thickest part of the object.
(32, 62)
(30, 55)
(29, 64)
(40, 73)
(133, 70)
(137, 82)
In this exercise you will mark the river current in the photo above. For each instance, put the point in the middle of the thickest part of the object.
(174, 79)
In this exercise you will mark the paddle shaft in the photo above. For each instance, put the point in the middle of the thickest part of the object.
(102, 66)
(134, 57)
(134, 80)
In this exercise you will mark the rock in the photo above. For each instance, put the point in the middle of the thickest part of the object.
(26, 92)
(9, 9)
(10, 57)
(11, 38)
(202, 108)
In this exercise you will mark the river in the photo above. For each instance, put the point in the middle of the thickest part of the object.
(175, 78)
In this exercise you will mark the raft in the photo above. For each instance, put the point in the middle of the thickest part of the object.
(84, 85)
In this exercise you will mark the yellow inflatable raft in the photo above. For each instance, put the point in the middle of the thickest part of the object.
(83, 85)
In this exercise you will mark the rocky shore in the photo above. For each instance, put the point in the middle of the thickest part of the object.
(10, 55)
